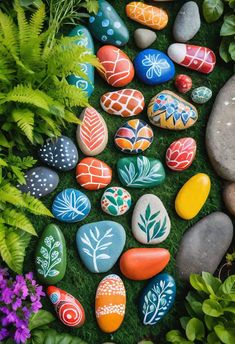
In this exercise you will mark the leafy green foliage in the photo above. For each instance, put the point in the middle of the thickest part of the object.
(212, 10)
(41, 318)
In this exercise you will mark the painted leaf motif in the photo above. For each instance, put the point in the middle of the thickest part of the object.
(50, 258)
(53, 273)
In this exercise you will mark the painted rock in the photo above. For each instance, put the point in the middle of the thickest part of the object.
(150, 221)
(229, 197)
(153, 67)
(140, 172)
(181, 153)
(40, 181)
(183, 83)
(204, 245)
(50, 258)
(100, 244)
(59, 153)
(110, 303)
(143, 263)
(124, 103)
(144, 38)
(115, 201)
(69, 310)
(194, 57)
(118, 68)
(151, 16)
(169, 111)
(93, 174)
(192, 196)
(201, 95)
(71, 205)
(157, 298)
(134, 137)
(92, 134)
(85, 40)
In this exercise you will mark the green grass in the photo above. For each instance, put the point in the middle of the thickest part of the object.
(78, 281)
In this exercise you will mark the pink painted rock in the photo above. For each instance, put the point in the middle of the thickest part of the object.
(183, 83)
(181, 153)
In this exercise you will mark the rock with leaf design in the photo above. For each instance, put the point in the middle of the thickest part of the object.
(150, 221)
(157, 298)
(51, 255)
(71, 205)
(100, 244)
(115, 201)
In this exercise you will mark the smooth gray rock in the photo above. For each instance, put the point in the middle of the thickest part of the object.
(220, 132)
(204, 245)
(187, 22)
(144, 38)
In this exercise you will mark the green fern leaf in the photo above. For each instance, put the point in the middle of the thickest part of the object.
(17, 219)
(24, 118)
(71, 118)
(10, 194)
(35, 206)
(10, 34)
(37, 21)
(3, 140)
(23, 28)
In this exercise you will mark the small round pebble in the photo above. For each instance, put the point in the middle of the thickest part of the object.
(115, 201)
(183, 83)
(229, 197)
(201, 95)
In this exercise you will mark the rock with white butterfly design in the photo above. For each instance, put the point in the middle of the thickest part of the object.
(100, 244)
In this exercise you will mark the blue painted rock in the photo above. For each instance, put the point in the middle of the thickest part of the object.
(157, 298)
(60, 153)
(201, 95)
(86, 41)
(107, 26)
(100, 244)
(40, 181)
(153, 67)
(71, 205)
(115, 201)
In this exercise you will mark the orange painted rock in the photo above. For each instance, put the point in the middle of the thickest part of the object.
(181, 153)
(125, 103)
(93, 174)
(151, 16)
(143, 263)
(68, 309)
(118, 68)
(110, 303)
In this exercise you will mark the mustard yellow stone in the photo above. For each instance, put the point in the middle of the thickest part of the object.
(192, 196)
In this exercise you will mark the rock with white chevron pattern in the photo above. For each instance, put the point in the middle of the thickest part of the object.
(92, 134)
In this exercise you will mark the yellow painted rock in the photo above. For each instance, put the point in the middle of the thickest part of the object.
(192, 196)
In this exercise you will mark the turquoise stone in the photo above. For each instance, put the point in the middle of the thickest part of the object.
(201, 95)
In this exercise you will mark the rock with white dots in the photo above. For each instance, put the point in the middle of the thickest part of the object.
(60, 153)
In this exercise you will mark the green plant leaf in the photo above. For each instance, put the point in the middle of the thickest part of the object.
(213, 339)
(40, 318)
(212, 10)
(198, 283)
(195, 329)
(24, 118)
(225, 333)
(229, 309)
(224, 49)
(195, 304)
(210, 322)
(176, 337)
(228, 27)
(212, 308)
(184, 321)
(212, 283)
(50, 336)
(232, 50)
(17, 219)
(228, 287)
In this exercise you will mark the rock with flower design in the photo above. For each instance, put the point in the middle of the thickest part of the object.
(181, 153)
(157, 298)
(50, 259)
(169, 111)
(153, 67)
(183, 83)
(201, 95)
(115, 201)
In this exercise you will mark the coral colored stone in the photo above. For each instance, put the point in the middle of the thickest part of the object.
(181, 153)
(143, 263)
(183, 83)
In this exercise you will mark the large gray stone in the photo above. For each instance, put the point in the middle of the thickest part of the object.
(220, 132)
(204, 245)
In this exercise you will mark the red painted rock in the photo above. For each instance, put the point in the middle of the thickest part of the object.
(194, 57)
(68, 309)
(183, 83)
(125, 103)
(93, 174)
(118, 68)
(143, 263)
(181, 153)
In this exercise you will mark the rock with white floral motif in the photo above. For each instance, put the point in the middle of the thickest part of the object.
(115, 201)
(201, 95)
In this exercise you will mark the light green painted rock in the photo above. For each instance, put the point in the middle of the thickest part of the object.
(201, 95)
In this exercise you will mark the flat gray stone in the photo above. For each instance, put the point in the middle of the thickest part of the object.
(144, 38)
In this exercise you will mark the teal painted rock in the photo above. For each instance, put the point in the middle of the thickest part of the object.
(157, 298)
(100, 244)
(140, 172)
(115, 201)
(51, 255)
(201, 95)
(107, 26)
(86, 41)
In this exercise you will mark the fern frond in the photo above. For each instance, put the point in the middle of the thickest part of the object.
(10, 33)
(10, 194)
(18, 174)
(17, 219)
(71, 118)
(3, 141)
(24, 119)
(35, 206)
(37, 21)
(23, 163)
(23, 27)
(53, 125)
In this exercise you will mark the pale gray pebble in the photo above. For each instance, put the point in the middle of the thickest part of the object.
(144, 38)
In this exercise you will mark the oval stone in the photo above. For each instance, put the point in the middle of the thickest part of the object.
(192, 196)
(92, 134)
(143, 263)
(201, 95)
(93, 174)
(150, 221)
(140, 172)
(51, 256)
(115, 201)
(71, 205)
(100, 244)
(118, 69)
(144, 38)
(110, 303)
(124, 103)
(181, 153)
(229, 197)
(107, 26)
(183, 83)
(134, 137)
(153, 67)
(68, 309)
(157, 298)
(169, 111)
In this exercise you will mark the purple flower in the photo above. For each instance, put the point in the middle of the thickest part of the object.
(21, 334)
(7, 296)
(11, 318)
(3, 333)
(16, 304)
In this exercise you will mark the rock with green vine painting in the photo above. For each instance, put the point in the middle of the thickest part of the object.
(140, 172)
(150, 221)
(51, 256)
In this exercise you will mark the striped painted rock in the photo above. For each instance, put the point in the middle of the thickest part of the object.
(181, 153)
(92, 134)
(93, 174)
(124, 103)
